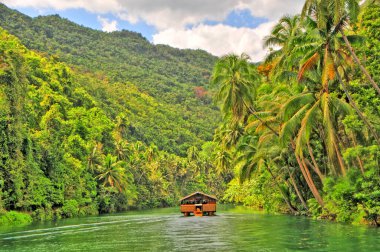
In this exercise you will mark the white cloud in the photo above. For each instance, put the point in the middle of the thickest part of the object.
(96, 6)
(171, 17)
(164, 14)
(218, 40)
(272, 9)
(107, 25)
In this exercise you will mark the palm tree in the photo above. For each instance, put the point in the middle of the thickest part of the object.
(283, 36)
(252, 156)
(324, 51)
(309, 112)
(93, 158)
(236, 79)
(339, 13)
(113, 173)
(122, 149)
(121, 126)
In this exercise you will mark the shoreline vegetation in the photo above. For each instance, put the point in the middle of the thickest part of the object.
(302, 128)
(94, 123)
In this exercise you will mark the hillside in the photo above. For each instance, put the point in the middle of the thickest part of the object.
(172, 79)
(68, 147)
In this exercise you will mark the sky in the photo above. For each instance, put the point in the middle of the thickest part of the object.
(217, 26)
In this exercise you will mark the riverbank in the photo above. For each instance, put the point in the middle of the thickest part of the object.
(14, 218)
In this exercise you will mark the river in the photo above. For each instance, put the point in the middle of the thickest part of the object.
(233, 229)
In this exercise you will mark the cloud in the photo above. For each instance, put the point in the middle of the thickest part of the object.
(172, 19)
(272, 9)
(107, 25)
(218, 39)
(164, 14)
(95, 6)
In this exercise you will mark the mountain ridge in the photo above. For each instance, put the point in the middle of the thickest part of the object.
(172, 76)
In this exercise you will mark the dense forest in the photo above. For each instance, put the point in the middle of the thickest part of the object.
(175, 78)
(77, 140)
(307, 120)
(95, 122)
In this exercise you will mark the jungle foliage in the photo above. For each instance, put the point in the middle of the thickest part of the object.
(77, 141)
(173, 81)
(301, 130)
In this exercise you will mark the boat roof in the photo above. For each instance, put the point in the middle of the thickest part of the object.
(188, 196)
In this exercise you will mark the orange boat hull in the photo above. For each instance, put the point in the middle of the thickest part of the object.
(198, 213)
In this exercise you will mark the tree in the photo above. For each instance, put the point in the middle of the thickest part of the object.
(236, 79)
(324, 50)
(340, 13)
(113, 173)
(283, 36)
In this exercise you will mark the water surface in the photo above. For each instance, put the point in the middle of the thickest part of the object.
(233, 229)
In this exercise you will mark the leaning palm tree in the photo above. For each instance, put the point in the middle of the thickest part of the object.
(113, 173)
(253, 157)
(307, 113)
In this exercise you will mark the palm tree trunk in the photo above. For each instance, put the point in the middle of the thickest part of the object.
(296, 189)
(253, 112)
(288, 203)
(360, 162)
(340, 159)
(316, 167)
(320, 176)
(353, 104)
(308, 179)
(373, 83)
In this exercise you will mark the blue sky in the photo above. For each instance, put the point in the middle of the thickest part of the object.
(217, 26)
(92, 20)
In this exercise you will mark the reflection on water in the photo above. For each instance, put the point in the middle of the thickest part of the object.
(167, 230)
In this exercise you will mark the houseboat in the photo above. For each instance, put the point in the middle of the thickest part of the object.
(198, 204)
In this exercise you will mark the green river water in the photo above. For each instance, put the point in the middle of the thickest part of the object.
(233, 229)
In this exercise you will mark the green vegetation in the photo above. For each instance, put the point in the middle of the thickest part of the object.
(306, 121)
(69, 142)
(15, 218)
(173, 81)
(94, 122)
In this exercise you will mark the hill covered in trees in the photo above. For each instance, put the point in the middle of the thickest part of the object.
(94, 122)
(175, 78)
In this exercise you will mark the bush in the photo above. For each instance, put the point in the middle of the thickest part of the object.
(70, 208)
(15, 218)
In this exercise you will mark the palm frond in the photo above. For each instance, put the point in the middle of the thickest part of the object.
(308, 65)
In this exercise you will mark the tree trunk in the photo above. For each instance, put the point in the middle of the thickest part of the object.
(360, 162)
(316, 167)
(291, 207)
(296, 189)
(373, 83)
(308, 178)
(340, 160)
(253, 112)
(312, 186)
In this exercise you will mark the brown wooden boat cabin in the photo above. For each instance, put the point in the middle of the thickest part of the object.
(199, 204)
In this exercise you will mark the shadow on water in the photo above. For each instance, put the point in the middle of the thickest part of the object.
(233, 229)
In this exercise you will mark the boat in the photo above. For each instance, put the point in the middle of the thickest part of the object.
(198, 204)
